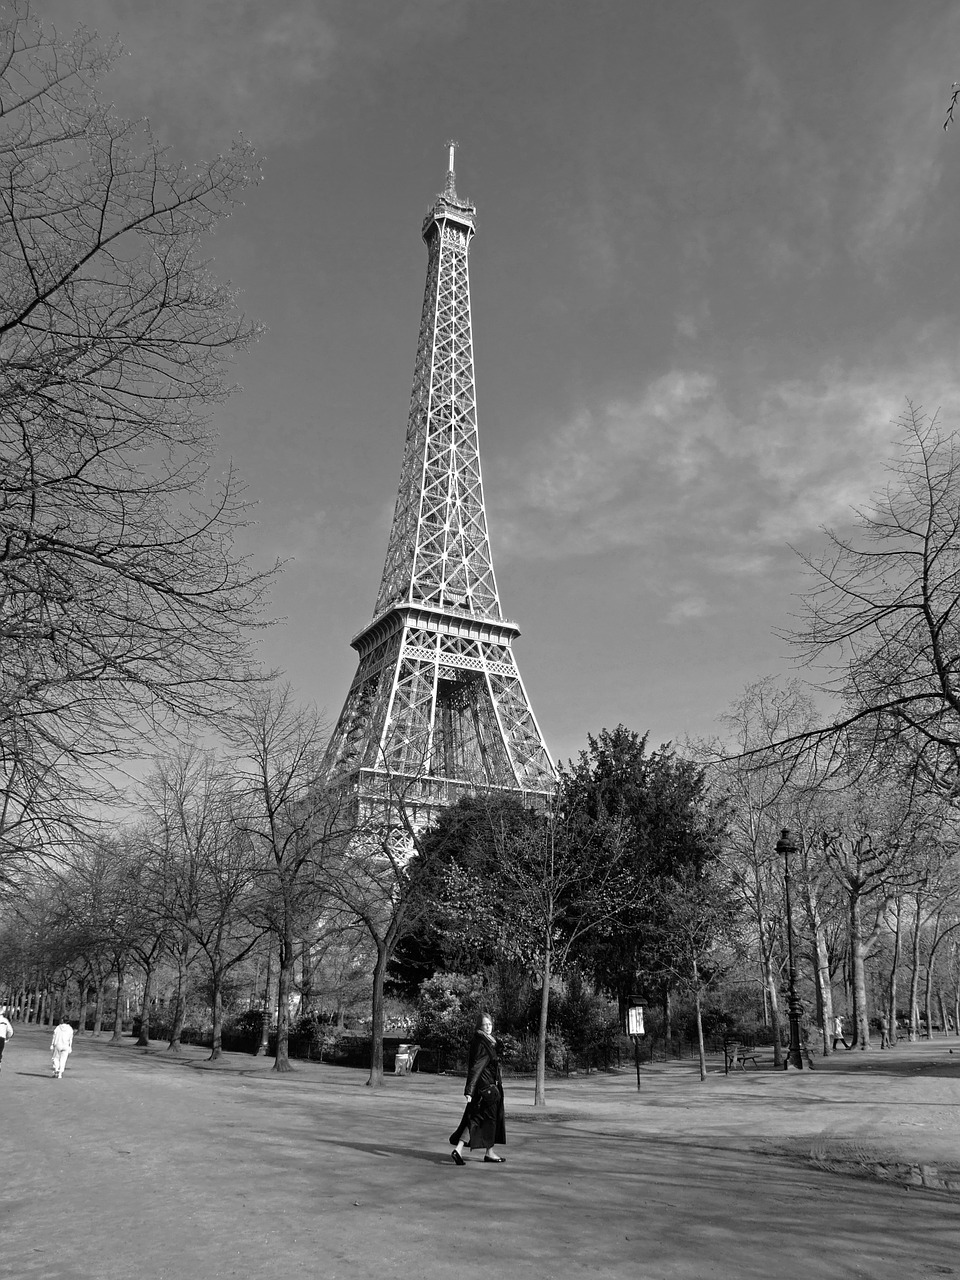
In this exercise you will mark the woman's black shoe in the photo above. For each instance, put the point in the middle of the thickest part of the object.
(494, 1159)
(457, 1158)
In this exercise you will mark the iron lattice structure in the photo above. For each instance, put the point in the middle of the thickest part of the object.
(437, 703)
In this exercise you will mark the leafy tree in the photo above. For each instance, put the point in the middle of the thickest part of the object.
(672, 825)
(461, 838)
(549, 881)
(122, 598)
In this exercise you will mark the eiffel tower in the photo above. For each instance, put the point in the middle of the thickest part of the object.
(437, 702)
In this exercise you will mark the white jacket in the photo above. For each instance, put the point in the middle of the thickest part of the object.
(63, 1037)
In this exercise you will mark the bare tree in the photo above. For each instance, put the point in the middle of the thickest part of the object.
(224, 915)
(377, 863)
(289, 819)
(182, 803)
(764, 794)
(122, 598)
(701, 912)
(954, 96)
(873, 840)
(884, 612)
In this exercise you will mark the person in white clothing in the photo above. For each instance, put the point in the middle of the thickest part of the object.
(6, 1029)
(61, 1046)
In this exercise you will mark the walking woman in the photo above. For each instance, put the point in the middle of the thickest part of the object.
(483, 1118)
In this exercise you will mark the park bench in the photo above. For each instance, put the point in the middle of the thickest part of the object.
(736, 1055)
(406, 1057)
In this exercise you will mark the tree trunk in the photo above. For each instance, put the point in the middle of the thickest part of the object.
(306, 978)
(770, 995)
(915, 969)
(84, 1002)
(928, 1000)
(894, 981)
(217, 1050)
(264, 1045)
(858, 975)
(98, 1008)
(180, 1005)
(254, 995)
(143, 1039)
(540, 1085)
(281, 1060)
(700, 1046)
(118, 1011)
(824, 984)
(667, 1013)
(376, 1028)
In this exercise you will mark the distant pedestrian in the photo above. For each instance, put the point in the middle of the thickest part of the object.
(838, 1032)
(61, 1046)
(884, 1031)
(6, 1030)
(483, 1117)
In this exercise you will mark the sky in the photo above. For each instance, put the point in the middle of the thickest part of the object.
(715, 258)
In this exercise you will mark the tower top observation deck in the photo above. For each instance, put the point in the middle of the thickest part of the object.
(448, 206)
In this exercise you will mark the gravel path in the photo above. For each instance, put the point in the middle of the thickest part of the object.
(140, 1165)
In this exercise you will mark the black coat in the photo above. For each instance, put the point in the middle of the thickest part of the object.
(484, 1113)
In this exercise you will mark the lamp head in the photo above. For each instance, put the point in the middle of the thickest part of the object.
(786, 842)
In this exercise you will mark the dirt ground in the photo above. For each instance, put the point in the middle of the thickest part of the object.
(137, 1164)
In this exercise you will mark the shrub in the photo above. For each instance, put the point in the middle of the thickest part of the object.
(590, 1027)
(447, 1009)
(243, 1033)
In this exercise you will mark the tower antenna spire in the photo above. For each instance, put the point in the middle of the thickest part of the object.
(451, 188)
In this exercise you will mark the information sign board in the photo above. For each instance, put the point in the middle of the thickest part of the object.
(635, 1021)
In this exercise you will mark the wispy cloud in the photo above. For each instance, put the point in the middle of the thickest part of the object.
(696, 470)
(685, 609)
(905, 161)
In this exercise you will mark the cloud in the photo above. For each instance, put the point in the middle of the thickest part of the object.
(696, 471)
(691, 322)
(905, 164)
(686, 609)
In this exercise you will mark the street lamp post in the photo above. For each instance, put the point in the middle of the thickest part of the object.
(786, 846)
